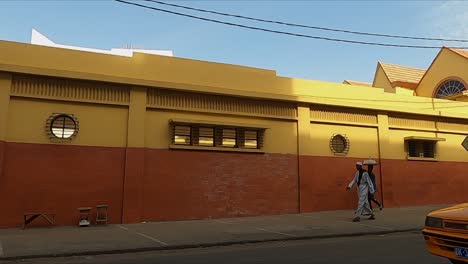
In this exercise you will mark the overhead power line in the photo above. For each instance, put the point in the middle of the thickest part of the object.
(306, 26)
(282, 32)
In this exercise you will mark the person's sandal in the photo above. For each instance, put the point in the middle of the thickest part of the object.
(372, 217)
(356, 219)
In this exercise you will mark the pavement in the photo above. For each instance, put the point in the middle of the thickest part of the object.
(408, 247)
(151, 236)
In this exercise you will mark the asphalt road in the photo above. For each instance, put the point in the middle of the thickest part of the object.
(395, 248)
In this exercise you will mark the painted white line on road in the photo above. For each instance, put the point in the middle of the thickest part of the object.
(1, 249)
(222, 222)
(382, 227)
(153, 239)
(310, 216)
(124, 228)
(274, 232)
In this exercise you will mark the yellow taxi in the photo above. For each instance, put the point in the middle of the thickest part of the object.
(446, 233)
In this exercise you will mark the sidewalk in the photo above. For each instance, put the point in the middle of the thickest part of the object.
(68, 241)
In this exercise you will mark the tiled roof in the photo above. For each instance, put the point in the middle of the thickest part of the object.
(357, 83)
(398, 73)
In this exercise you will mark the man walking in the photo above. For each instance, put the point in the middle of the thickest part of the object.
(364, 187)
(371, 197)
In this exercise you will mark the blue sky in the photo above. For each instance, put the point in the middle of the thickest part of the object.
(106, 24)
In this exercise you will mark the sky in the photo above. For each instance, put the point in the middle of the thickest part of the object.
(107, 24)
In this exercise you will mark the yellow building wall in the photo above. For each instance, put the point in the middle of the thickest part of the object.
(99, 125)
(396, 149)
(448, 150)
(381, 81)
(280, 137)
(363, 140)
(205, 77)
(404, 91)
(462, 99)
(5, 85)
(447, 64)
(451, 149)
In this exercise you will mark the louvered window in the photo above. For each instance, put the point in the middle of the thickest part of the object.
(63, 126)
(251, 139)
(228, 138)
(182, 135)
(217, 136)
(206, 136)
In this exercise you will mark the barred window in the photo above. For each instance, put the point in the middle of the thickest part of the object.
(216, 136)
(421, 149)
(182, 135)
(63, 127)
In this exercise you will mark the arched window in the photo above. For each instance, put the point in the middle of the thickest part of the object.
(450, 87)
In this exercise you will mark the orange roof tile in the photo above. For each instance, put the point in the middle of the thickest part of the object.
(402, 74)
(462, 52)
(357, 83)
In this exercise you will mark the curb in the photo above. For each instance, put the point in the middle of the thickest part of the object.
(205, 245)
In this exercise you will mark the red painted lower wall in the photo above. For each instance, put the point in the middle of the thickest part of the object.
(195, 184)
(408, 183)
(133, 185)
(404, 183)
(59, 179)
(2, 154)
(153, 185)
(324, 181)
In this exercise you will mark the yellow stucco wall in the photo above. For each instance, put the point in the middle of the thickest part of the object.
(404, 91)
(396, 142)
(381, 81)
(200, 76)
(363, 140)
(462, 99)
(280, 136)
(98, 125)
(5, 85)
(447, 64)
(448, 150)
(451, 149)
(132, 124)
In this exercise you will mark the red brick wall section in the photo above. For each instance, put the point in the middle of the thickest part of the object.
(324, 181)
(59, 179)
(408, 183)
(196, 184)
(133, 185)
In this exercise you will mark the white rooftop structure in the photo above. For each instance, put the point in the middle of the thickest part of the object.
(39, 39)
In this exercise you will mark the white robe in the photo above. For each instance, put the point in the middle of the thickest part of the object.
(363, 190)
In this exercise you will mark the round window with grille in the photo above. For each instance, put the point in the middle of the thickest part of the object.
(339, 144)
(62, 126)
(450, 87)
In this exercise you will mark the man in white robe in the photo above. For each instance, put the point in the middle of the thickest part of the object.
(364, 187)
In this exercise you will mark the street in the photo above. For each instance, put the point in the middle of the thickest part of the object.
(394, 248)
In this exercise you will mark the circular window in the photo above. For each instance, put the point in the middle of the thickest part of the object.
(339, 144)
(63, 126)
(450, 87)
